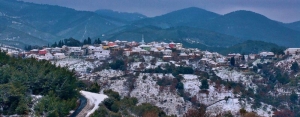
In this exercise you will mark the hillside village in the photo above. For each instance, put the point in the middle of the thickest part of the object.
(153, 72)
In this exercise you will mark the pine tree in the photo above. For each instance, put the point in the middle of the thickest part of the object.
(54, 45)
(204, 84)
(293, 97)
(232, 61)
(59, 43)
(85, 42)
(295, 67)
(89, 41)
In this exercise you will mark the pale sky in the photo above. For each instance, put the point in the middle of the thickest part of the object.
(280, 10)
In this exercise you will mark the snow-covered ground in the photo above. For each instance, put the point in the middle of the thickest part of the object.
(93, 99)
(34, 99)
(287, 63)
(228, 74)
(147, 91)
(191, 83)
(109, 73)
(79, 65)
(135, 65)
(234, 105)
(259, 61)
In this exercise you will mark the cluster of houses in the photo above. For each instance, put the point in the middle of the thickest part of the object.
(166, 51)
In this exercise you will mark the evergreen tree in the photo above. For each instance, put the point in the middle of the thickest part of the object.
(243, 57)
(204, 84)
(97, 41)
(22, 77)
(295, 67)
(59, 43)
(232, 61)
(54, 45)
(278, 51)
(89, 41)
(293, 97)
(85, 42)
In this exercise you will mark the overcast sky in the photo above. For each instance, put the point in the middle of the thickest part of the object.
(280, 10)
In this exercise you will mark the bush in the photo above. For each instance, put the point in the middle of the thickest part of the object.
(112, 94)
(180, 85)
(101, 112)
(115, 107)
(108, 102)
(145, 107)
(117, 65)
(204, 84)
(94, 88)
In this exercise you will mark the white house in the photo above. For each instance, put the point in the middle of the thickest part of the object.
(266, 54)
(178, 45)
(252, 56)
(48, 56)
(126, 53)
(59, 56)
(102, 54)
(167, 52)
(291, 51)
(76, 51)
(91, 49)
(208, 54)
(56, 50)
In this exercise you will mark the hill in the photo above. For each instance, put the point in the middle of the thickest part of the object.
(185, 17)
(294, 25)
(250, 25)
(129, 17)
(25, 80)
(176, 34)
(249, 47)
(242, 24)
(51, 23)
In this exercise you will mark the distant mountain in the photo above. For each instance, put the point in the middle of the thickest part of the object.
(176, 34)
(52, 23)
(129, 17)
(250, 25)
(249, 46)
(243, 24)
(294, 25)
(192, 16)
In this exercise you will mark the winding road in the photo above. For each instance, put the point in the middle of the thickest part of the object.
(83, 103)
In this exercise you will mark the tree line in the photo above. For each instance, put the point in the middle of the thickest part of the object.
(73, 42)
(68, 42)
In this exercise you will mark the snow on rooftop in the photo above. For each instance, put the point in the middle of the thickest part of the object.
(93, 99)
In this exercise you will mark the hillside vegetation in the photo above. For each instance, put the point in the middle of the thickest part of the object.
(22, 79)
(250, 47)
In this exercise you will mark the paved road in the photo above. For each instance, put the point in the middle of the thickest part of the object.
(83, 103)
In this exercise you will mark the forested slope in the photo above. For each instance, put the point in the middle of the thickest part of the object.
(21, 79)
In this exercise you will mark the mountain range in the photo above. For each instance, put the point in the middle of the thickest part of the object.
(23, 23)
(246, 25)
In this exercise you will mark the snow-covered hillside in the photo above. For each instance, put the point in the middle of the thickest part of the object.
(229, 74)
